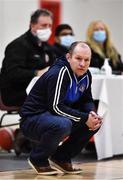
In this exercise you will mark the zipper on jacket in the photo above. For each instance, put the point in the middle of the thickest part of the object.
(76, 89)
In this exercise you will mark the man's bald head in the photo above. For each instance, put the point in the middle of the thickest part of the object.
(79, 45)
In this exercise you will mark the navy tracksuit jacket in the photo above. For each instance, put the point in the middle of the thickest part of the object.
(60, 92)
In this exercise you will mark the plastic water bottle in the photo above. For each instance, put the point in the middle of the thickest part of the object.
(106, 68)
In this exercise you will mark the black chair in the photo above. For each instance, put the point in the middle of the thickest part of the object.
(8, 110)
(21, 143)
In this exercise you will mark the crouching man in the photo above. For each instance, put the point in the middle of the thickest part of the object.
(60, 105)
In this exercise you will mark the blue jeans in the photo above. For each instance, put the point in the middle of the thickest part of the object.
(47, 131)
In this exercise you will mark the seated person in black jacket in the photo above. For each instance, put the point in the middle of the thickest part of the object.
(27, 56)
(99, 39)
(64, 37)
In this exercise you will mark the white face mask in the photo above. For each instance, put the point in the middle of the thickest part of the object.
(43, 34)
(67, 40)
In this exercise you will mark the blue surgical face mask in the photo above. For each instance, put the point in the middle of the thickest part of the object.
(67, 40)
(99, 36)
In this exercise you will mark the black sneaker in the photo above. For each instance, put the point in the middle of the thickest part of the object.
(46, 170)
(64, 167)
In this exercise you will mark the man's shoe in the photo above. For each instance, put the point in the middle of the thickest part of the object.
(64, 167)
(46, 170)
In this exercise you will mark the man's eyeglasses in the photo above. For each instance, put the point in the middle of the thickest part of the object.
(65, 34)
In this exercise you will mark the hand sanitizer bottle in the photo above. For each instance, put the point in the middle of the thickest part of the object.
(106, 68)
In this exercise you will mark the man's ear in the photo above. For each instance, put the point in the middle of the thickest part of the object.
(68, 57)
(57, 39)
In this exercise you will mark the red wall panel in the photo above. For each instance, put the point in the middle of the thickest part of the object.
(55, 7)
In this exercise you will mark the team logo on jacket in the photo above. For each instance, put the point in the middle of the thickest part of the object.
(46, 58)
(82, 88)
(36, 56)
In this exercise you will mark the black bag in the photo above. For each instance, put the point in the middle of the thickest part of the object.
(21, 143)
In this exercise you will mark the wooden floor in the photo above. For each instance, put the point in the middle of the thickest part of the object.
(99, 170)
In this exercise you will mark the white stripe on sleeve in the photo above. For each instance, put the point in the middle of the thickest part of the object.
(57, 95)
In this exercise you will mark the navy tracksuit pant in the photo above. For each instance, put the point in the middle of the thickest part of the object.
(48, 130)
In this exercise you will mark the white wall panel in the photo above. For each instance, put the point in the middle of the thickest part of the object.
(14, 19)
